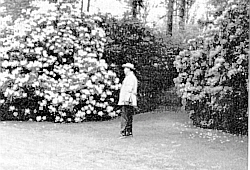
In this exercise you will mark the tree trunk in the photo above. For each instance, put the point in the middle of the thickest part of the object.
(170, 17)
(146, 11)
(189, 4)
(82, 8)
(182, 9)
(136, 5)
(88, 5)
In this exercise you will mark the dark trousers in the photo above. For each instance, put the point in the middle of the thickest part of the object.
(126, 119)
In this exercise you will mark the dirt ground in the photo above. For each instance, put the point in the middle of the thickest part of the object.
(162, 140)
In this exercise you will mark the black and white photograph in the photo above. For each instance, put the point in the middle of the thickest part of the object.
(124, 84)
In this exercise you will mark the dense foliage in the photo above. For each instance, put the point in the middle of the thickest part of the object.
(38, 42)
(51, 68)
(213, 72)
(128, 40)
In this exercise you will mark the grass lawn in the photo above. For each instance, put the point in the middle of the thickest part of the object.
(162, 140)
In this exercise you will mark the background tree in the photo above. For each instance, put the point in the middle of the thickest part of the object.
(182, 9)
(135, 5)
(183, 12)
(145, 13)
(170, 10)
(189, 4)
(88, 6)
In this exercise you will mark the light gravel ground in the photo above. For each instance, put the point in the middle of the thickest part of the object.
(162, 141)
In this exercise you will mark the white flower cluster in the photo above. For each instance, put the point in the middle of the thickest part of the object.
(59, 57)
(203, 73)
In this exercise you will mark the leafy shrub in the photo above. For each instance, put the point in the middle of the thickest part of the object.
(213, 73)
(51, 68)
(128, 40)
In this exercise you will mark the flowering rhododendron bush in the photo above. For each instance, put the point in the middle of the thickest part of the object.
(213, 73)
(51, 68)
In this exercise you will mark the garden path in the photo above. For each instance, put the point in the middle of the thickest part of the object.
(163, 140)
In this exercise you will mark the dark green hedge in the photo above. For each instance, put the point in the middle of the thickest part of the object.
(130, 41)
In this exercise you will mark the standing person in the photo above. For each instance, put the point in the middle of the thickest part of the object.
(128, 99)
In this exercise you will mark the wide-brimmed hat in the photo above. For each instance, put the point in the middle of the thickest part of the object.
(129, 65)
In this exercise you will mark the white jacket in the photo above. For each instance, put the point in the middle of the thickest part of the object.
(128, 90)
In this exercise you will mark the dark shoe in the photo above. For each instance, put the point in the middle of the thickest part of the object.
(130, 134)
(122, 136)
